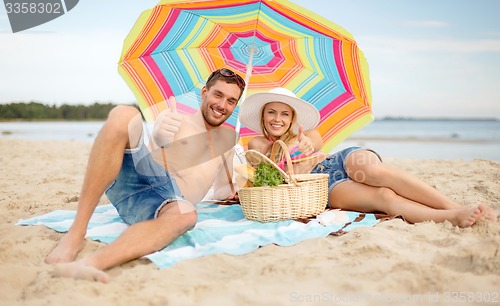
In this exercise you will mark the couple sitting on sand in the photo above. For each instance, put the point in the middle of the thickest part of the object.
(154, 186)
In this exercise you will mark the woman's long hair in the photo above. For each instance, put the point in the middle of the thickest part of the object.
(286, 137)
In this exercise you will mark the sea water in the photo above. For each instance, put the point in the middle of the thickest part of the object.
(51, 130)
(425, 139)
(430, 139)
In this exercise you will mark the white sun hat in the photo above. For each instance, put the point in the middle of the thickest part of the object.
(251, 109)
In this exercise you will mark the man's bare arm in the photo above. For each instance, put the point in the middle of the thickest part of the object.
(223, 186)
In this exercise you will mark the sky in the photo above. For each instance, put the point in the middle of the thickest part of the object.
(426, 58)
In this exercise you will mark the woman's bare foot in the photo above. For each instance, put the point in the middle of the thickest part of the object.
(487, 213)
(466, 217)
(66, 250)
(79, 270)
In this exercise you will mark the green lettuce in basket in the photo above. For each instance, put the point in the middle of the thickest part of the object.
(267, 175)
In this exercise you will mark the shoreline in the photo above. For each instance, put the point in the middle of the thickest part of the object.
(422, 139)
(436, 140)
(395, 148)
(12, 135)
(451, 139)
(386, 118)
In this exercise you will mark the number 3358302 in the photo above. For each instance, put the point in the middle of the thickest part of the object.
(33, 8)
(469, 297)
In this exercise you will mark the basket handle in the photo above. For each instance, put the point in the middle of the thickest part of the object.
(287, 157)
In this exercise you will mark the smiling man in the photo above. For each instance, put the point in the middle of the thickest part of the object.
(154, 187)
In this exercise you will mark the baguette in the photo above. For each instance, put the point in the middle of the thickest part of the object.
(246, 171)
(243, 182)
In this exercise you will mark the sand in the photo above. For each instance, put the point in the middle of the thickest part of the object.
(392, 263)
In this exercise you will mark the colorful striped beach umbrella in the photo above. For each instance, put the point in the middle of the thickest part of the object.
(173, 48)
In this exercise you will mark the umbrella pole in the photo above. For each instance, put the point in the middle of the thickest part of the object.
(248, 74)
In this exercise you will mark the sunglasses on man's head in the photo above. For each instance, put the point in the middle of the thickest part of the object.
(228, 73)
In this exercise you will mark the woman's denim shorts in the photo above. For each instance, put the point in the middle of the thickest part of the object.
(142, 187)
(334, 166)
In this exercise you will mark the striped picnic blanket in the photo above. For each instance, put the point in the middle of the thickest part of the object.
(220, 229)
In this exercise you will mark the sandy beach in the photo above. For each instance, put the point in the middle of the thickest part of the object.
(392, 263)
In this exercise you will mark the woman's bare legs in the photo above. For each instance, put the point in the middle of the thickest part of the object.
(351, 195)
(379, 187)
(365, 167)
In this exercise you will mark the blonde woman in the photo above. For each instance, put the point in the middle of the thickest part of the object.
(358, 180)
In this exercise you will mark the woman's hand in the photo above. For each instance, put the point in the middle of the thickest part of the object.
(306, 145)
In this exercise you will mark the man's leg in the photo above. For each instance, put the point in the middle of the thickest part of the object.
(122, 130)
(140, 239)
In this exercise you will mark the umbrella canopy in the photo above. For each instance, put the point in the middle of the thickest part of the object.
(173, 48)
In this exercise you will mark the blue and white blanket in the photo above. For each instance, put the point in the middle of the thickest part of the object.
(220, 229)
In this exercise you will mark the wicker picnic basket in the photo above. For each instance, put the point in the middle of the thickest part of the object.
(303, 195)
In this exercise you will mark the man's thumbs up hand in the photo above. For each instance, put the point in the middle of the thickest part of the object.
(167, 124)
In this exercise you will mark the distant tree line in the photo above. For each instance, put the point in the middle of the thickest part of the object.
(39, 111)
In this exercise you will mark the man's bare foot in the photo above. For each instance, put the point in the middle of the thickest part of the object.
(487, 213)
(66, 250)
(466, 217)
(79, 270)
